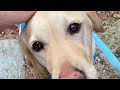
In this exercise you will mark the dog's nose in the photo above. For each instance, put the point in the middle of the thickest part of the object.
(73, 74)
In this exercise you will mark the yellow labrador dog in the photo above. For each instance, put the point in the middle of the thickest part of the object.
(60, 43)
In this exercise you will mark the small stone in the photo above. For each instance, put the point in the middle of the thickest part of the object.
(2, 33)
(117, 51)
(103, 65)
(104, 71)
(116, 16)
(108, 76)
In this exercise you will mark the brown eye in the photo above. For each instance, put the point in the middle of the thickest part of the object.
(37, 46)
(74, 28)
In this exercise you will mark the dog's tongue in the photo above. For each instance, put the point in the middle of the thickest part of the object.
(72, 75)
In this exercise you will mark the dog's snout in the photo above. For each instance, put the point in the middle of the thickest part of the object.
(73, 74)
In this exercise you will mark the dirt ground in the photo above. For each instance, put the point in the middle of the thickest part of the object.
(111, 23)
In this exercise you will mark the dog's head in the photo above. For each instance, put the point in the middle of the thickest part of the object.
(61, 42)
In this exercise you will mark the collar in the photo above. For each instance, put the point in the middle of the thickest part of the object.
(94, 57)
(21, 28)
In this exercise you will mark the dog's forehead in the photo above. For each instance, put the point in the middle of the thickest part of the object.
(45, 19)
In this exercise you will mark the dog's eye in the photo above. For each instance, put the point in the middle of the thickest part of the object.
(74, 28)
(37, 46)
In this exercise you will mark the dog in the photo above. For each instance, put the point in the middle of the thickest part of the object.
(60, 43)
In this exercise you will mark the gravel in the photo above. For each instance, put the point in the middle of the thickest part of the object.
(111, 37)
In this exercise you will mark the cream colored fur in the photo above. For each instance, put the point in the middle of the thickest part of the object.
(61, 48)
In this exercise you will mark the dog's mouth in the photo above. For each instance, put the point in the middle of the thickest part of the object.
(82, 73)
(74, 74)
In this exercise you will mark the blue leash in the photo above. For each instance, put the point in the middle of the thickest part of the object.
(107, 53)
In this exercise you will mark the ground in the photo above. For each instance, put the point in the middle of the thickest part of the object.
(111, 23)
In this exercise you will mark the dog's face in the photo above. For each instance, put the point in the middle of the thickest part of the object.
(61, 42)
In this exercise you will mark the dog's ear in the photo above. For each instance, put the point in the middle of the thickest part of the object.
(97, 23)
(42, 70)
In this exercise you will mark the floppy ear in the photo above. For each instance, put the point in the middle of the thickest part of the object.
(42, 70)
(97, 23)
